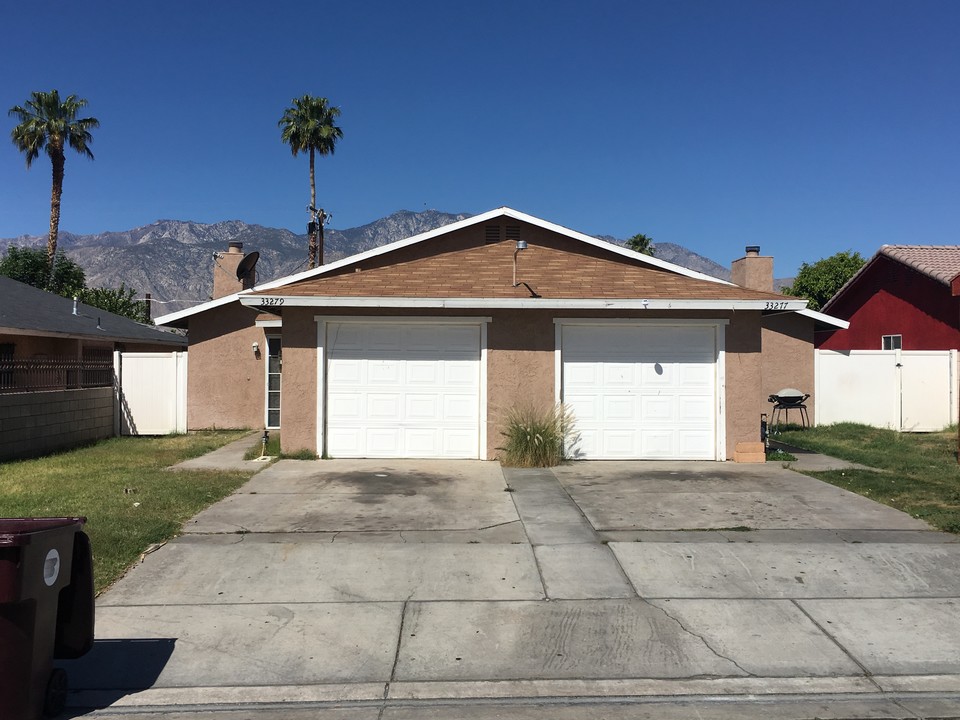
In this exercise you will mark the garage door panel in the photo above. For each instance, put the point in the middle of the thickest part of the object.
(420, 372)
(460, 408)
(620, 407)
(403, 390)
(658, 443)
(618, 374)
(619, 443)
(641, 391)
(696, 410)
(585, 408)
(382, 372)
(460, 373)
(382, 406)
(657, 408)
(696, 444)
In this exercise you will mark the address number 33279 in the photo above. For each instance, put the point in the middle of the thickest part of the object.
(271, 301)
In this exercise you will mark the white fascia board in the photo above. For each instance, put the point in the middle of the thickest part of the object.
(824, 318)
(275, 302)
(270, 323)
(209, 305)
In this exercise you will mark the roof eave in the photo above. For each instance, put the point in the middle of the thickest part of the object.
(267, 302)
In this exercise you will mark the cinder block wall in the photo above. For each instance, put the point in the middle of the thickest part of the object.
(37, 423)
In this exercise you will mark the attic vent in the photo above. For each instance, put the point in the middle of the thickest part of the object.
(492, 234)
(513, 232)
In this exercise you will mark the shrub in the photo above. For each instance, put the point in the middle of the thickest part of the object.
(536, 437)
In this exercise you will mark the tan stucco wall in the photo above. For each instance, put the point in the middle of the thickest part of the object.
(788, 359)
(225, 380)
(298, 399)
(520, 368)
(743, 371)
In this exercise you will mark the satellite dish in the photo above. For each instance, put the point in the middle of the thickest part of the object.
(247, 265)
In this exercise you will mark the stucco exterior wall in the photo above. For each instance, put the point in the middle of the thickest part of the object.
(225, 383)
(520, 368)
(788, 360)
(744, 370)
(298, 398)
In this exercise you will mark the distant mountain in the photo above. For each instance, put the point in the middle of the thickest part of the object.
(172, 259)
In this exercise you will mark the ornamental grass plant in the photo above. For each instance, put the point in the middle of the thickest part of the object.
(536, 436)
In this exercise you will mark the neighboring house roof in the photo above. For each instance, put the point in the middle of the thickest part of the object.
(26, 310)
(938, 262)
(398, 275)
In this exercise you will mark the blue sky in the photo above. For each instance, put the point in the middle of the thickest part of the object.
(805, 127)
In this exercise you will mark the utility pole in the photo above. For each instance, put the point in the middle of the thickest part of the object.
(315, 231)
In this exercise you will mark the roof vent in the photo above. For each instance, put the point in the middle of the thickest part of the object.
(753, 250)
(513, 232)
(492, 234)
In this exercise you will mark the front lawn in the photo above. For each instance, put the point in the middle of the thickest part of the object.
(120, 485)
(915, 472)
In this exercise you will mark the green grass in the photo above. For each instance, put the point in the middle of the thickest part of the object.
(779, 455)
(914, 472)
(120, 485)
(273, 447)
(273, 450)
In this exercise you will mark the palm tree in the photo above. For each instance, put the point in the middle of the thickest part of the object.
(641, 243)
(308, 126)
(51, 124)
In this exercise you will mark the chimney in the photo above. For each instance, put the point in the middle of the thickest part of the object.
(753, 271)
(225, 271)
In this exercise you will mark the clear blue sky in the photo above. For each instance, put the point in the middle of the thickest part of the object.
(805, 127)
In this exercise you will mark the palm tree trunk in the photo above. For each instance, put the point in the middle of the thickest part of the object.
(313, 204)
(57, 159)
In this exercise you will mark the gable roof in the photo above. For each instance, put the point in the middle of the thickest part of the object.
(938, 262)
(469, 292)
(26, 310)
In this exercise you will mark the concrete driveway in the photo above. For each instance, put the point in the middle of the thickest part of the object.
(428, 589)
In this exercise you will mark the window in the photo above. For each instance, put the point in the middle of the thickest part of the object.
(892, 342)
(274, 368)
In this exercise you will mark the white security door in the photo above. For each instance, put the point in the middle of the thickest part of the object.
(403, 390)
(641, 391)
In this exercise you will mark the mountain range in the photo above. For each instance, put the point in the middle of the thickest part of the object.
(173, 259)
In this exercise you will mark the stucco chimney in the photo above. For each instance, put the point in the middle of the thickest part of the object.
(225, 271)
(753, 271)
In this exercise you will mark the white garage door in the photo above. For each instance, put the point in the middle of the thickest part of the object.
(641, 391)
(403, 390)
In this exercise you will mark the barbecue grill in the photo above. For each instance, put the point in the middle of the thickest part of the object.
(786, 400)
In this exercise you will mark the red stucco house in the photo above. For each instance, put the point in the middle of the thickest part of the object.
(902, 299)
(421, 348)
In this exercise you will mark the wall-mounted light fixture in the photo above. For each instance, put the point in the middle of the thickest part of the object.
(256, 348)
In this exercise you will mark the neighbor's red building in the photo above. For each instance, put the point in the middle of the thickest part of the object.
(904, 297)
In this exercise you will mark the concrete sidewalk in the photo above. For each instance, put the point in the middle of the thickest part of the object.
(431, 589)
(229, 457)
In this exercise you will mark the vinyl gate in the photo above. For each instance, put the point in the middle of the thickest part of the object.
(151, 393)
(907, 390)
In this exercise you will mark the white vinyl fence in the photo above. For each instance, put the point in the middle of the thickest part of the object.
(907, 390)
(151, 393)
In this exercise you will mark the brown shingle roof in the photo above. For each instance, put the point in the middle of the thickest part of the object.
(940, 262)
(461, 265)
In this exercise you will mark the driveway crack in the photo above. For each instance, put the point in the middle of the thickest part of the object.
(396, 658)
(705, 642)
(866, 671)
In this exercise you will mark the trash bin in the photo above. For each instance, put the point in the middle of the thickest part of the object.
(46, 610)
